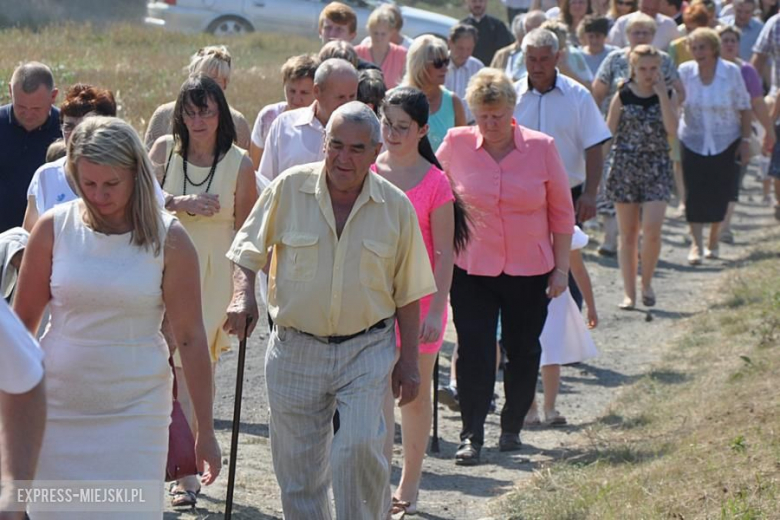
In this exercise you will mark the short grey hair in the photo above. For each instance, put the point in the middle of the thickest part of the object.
(540, 38)
(30, 76)
(357, 112)
(333, 66)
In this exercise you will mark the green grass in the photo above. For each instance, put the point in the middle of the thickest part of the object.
(145, 67)
(696, 438)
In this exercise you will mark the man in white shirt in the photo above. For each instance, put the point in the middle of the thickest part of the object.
(462, 65)
(22, 408)
(560, 107)
(552, 103)
(664, 34)
(297, 136)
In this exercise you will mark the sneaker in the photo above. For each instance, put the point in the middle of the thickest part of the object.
(711, 254)
(448, 396)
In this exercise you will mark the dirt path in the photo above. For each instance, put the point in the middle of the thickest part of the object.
(629, 343)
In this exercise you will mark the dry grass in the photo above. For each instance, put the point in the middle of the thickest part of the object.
(697, 437)
(144, 66)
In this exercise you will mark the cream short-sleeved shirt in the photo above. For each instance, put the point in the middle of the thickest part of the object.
(326, 285)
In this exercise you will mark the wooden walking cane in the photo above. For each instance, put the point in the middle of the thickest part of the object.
(435, 439)
(236, 422)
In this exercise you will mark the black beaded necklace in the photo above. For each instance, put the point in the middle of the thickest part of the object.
(209, 177)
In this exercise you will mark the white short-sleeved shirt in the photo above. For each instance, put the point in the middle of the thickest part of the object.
(50, 187)
(569, 115)
(22, 359)
(711, 119)
(295, 138)
(265, 118)
(666, 31)
(458, 79)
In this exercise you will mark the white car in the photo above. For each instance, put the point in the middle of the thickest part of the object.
(228, 17)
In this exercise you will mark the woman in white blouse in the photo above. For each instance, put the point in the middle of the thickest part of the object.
(714, 132)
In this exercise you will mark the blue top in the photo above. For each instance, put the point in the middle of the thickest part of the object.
(442, 120)
(21, 153)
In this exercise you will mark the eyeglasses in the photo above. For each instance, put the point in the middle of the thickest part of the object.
(440, 62)
(204, 114)
(397, 130)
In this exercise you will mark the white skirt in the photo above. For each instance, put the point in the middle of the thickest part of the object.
(565, 338)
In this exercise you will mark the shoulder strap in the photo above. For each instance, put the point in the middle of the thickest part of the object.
(167, 164)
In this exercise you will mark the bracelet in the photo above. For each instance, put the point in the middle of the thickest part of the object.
(564, 273)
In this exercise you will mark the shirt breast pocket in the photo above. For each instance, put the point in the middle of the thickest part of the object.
(298, 257)
(376, 269)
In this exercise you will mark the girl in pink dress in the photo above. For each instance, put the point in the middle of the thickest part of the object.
(409, 162)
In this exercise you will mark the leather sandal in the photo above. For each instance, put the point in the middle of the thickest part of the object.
(401, 508)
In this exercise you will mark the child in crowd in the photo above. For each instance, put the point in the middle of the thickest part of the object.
(593, 35)
(565, 339)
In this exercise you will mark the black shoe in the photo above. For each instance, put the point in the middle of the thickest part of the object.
(467, 454)
(448, 396)
(509, 442)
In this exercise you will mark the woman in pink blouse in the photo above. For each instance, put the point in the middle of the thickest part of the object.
(409, 162)
(391, 58)
(516, 188)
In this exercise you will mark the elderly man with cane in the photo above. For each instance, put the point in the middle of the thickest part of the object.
(348, 259)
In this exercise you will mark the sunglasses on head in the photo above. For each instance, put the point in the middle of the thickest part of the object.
(441, 62)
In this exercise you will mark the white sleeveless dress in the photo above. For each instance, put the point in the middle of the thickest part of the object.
(108, 382)
(565, 338)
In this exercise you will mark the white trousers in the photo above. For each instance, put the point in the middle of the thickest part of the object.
(307, 380)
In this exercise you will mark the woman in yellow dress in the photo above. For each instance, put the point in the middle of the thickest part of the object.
(210, 186)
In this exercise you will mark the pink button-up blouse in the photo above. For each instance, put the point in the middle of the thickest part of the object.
(515, 204)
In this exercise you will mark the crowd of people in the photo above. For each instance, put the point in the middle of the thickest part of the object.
(397, 178)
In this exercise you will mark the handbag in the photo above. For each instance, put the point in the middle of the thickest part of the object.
(181, 444)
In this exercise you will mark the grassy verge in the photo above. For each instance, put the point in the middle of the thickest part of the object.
(145, 67)
(697, 437)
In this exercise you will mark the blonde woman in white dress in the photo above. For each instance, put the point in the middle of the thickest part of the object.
(108, 264)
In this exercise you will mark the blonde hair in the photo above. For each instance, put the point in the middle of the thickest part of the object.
(642, 20)
(425, 49)
(490, 87)
(707, 35)
(378, 16)
(213, 61)
(642, 51)
(112, 142)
